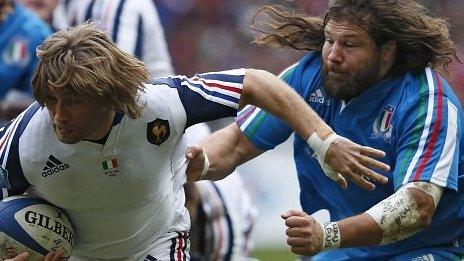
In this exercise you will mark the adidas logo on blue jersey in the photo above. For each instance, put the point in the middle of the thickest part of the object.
(52, 166)
(317, 96)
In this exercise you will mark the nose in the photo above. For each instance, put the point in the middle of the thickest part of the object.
(335, 53)
(61, 113)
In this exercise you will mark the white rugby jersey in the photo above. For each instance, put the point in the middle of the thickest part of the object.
(134, 26)
(123, 195)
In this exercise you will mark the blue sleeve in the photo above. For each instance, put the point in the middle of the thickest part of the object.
(12, 180)
(264, 130)
(428, 135)
(208, 96)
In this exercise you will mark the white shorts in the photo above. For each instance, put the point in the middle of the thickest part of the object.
(173, 246)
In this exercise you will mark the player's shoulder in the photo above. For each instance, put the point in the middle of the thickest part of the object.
(427, 83)
(28, 129)
(161, 100)
(33, 122)
(305, 75)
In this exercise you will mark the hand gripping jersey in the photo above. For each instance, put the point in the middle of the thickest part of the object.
(20, 34)
(134, 26)
(123, 195)
(415, 118)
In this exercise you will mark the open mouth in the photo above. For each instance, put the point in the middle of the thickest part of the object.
(63, 131)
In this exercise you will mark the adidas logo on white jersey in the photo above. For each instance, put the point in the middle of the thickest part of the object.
(316, 96)
(52, 166)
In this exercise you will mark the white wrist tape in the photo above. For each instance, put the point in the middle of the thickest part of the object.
(330, 235)
(205, 167)
(320, 148)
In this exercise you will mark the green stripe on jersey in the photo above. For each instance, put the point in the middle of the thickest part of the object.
(287, 73)
(417, 131)
(251, 129)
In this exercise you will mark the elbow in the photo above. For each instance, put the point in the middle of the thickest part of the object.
(425, 217)
(426, 207)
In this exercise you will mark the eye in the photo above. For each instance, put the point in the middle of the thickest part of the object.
(73, 101)
(328, 40)
(350, 44)
(50, 100)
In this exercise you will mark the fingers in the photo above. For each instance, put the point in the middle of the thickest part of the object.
(342, 181)
(55, 256)
(361, 181)
(21, 257)
(371, 175)
(368, 160)
(292, 213)
(304, 234)
(193, 151)
(300, 250)
(371, 152)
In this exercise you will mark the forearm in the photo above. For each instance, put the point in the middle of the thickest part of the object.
(400, 216)
(268, 92)
(227, 149)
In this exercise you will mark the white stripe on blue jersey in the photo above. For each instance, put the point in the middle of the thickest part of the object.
(442, 169)
(426, 130)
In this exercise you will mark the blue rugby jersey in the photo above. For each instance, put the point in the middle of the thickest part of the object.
(415, 119)
(20, 34)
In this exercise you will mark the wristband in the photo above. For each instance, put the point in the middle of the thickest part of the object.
(330, 235)
(205, 167)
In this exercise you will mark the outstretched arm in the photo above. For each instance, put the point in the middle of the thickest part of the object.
(382, 224)
(268, 92)
(226, 149)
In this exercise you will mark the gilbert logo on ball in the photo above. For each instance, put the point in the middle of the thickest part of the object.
(32, 224)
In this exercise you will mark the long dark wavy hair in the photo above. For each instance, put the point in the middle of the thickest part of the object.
(422, 38)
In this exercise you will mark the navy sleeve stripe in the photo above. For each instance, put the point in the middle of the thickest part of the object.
(209, 92)
(117, 19)
(10, 151)
(139, 42)
(88, 13)
(223, 77)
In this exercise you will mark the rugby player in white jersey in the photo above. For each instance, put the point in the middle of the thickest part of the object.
(108, 148)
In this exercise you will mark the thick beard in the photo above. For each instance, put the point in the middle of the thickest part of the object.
(351, 88)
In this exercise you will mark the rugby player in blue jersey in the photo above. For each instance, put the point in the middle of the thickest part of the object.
(371, 74)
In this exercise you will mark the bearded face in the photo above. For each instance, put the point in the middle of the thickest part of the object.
(352, 60)
(346, 85)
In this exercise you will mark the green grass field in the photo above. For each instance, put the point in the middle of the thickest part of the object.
(274, 255)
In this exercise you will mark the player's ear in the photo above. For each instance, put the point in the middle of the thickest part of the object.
(388, 51)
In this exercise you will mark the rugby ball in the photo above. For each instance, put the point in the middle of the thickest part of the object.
(33, 225)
